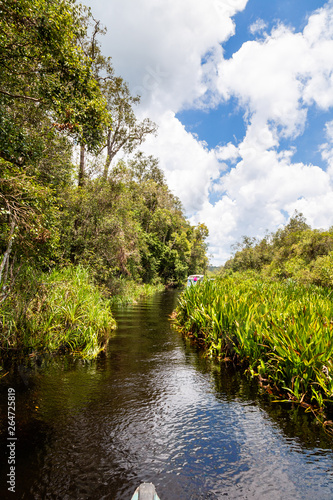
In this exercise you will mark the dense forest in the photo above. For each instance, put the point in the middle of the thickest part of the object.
(295, 252)
(107, 221)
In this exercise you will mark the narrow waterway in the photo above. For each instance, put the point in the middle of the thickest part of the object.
(154, 409)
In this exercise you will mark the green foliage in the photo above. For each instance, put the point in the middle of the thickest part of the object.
(295, 252)
(129, 291)
(281, 331)
(42, 66)
(57, 310)
(126, 133)
(131, 225)
(29, 219)
(59, 93)
(98, 230)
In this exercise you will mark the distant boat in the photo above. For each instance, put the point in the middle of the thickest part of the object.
(194, 278)
(146, 491)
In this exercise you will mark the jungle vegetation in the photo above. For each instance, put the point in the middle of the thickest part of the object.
(278, 332)
(99, 225)
(295, 252)
(270, 311)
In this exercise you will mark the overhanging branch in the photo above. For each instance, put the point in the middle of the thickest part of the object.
(16, 96)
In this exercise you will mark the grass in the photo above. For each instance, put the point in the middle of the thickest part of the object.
(282, 333)
(57, 311)
(129, 291)
(63, 310)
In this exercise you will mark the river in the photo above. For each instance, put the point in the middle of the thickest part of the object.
(153, 408)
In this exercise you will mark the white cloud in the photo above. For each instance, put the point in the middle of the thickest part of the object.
(264, 76)
(222, 222)
(316, 209)
(275, 80)
(318, 66)
(189, 166)
(228, 152)
(170, 52)
(329, 131)
(158, 46)
(327, 148)
(258, 26)
(256, 192)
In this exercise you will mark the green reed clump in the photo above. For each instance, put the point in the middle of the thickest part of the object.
(129, 291)
(281, 331)
(58, 310)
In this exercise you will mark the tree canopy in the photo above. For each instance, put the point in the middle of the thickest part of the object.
(44, 71)
(58, 93)
(294, 252)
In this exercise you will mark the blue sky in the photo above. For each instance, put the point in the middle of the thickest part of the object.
(225, 123)
(242, 92)
(292, 13)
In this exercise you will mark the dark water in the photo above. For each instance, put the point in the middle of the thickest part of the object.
(153, 409)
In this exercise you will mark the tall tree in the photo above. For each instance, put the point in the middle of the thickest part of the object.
(101, 66)
(42, 63)
(127, 132)
(47, 93)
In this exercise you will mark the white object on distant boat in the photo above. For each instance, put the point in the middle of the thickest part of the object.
(194, 278)
(146, 491)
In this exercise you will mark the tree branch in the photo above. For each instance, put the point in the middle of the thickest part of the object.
(19, 96)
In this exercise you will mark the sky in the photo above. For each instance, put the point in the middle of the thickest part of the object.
(242, 93)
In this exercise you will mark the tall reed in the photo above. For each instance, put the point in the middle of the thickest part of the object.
(128, 291)
(58, 310)
(282, 332)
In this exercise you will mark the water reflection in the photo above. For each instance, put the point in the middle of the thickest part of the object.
(154, 409)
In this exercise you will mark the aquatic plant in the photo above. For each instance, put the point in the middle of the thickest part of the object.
(280, 332)
(62, 309)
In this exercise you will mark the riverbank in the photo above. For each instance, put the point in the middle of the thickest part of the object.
(130, 292)
(154, 408)
(62, 310)
(279, 332)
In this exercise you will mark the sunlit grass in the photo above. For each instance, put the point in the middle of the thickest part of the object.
(129, 291)
(66, 311)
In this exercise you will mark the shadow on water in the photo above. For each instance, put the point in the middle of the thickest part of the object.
(155, 409)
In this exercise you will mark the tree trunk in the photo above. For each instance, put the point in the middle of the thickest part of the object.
(81, 168)
(106, 167)
(110, 154)
(4, 267)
